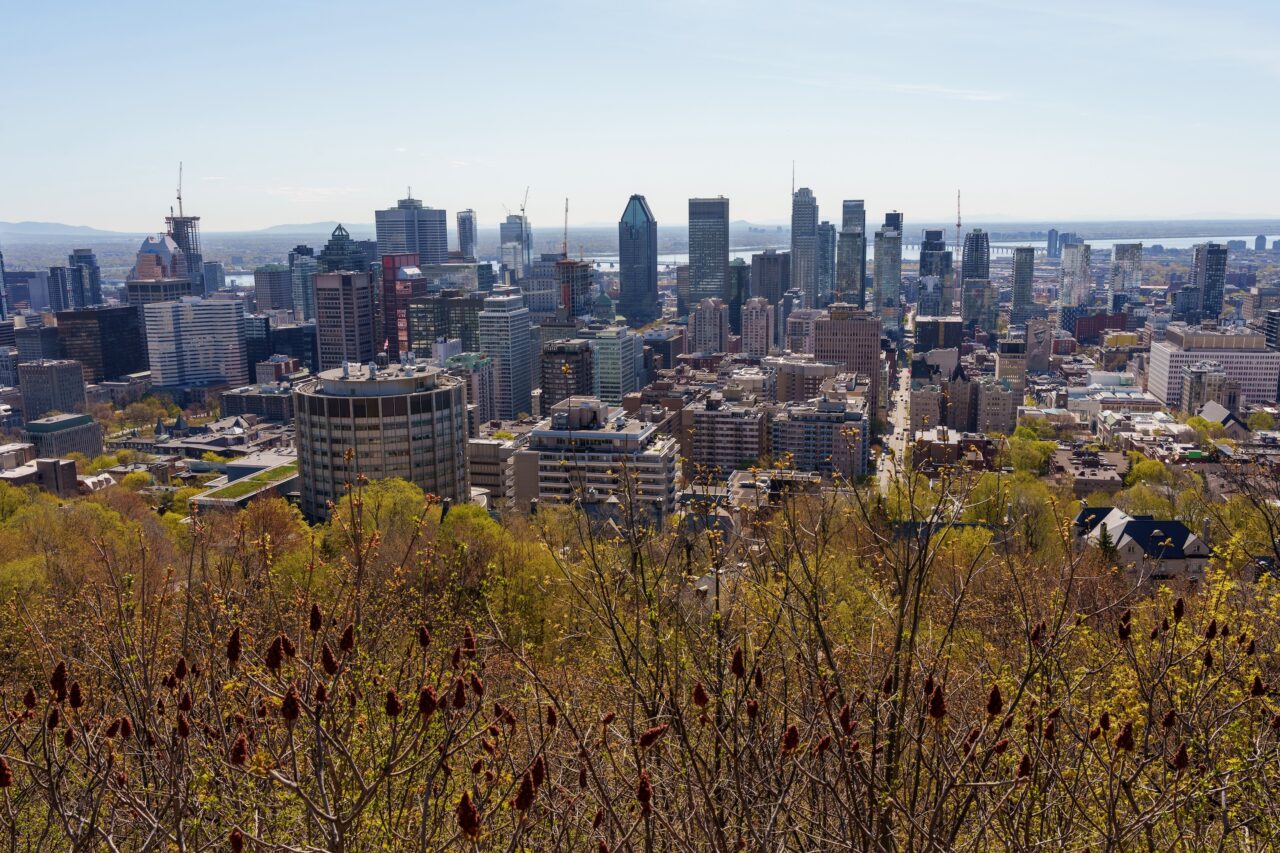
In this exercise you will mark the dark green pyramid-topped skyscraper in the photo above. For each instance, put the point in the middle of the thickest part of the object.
(638, 263)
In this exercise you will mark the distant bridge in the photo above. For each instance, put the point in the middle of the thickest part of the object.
(1041, 251)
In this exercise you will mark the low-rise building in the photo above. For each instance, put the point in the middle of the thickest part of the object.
(1149, 548)
(59, 435)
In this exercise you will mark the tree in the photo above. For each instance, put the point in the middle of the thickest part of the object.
(1261, 421)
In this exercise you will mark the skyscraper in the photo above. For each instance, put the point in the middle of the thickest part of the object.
(770, 275)
(108, 341)
(515, 231)
(402, 281)
(65, 288)
(4, 292)
(574, 280)
(976, 261)
(936, 260)
(505, 336)
(567, 370)
(708, 248)
(273, 288)
(826, 263)
(851, 263)
(411, 228)
(1076, 278)
(185, 232)
(342, 254)
(850, 338)
(303, 266)
(804, 245)
(1051, 245)
(346, 329)
(618, 353)
(638, 263)
(739, 291)
(1209, 273)
(196, 341)
(1024, 277)
(1125, 275)
(888, 275)
(467, 234)
(90, 275)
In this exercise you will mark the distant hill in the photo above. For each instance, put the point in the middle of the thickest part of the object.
(356, 229)
(54, 229)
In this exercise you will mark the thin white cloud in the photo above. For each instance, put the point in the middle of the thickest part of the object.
(213, 178)
(944, 91)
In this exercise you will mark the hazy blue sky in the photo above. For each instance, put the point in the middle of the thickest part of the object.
(305, 111)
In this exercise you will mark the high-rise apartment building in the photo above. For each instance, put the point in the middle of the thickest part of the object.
(477, 373)
(108, 341)
(411, 228)
(1076, 282)
(51, 386)
(709, 327)
(1209, 274)
(406, 420)
(1024, 279)
(467, 234)
(770, 279)
(888, 276)
(346, 328)
(976, 260)
(506, 337)
(708, 249)
(758, 325)
(827, 435)
(273, 287)
(1125, 275)
(196, 342)
(638, 263)
(804, 245)
(568, 370)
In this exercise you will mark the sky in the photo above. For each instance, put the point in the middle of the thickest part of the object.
(295, 112)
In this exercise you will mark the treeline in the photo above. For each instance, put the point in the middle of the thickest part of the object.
(836, 672)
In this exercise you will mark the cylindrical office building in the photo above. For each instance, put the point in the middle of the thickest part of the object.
(407, 420)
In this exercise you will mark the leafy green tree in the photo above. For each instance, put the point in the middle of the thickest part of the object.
(1261, 421)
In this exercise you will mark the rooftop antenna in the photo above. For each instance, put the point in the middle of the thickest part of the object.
(793, 178)
(564, 246)
(409, 193)
(958, 244)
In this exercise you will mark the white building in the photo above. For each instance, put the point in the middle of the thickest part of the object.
(1125, 275)
(757, 327)
(505, 336)
(1076, 284)
(196, 342)
(709, 327)
(589, 452)
(1242, 353)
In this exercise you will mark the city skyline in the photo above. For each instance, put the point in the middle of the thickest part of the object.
(880, 128)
